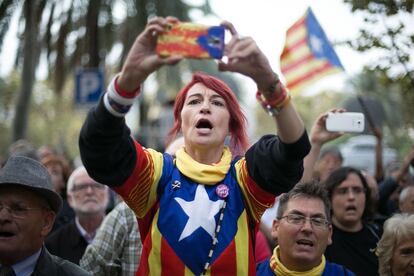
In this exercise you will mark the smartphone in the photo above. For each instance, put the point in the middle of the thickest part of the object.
(191, 40)
(345, 122)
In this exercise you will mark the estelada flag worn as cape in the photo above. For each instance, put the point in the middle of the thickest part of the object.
(308, 54)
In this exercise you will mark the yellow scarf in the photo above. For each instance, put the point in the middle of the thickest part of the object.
(280, 270)
(201, 173)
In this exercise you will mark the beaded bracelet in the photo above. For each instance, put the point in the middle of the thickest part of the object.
(271, 96)
(272, 110)
(275, 104)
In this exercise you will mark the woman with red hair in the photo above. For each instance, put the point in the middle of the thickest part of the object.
(237, 124)
(198, 212)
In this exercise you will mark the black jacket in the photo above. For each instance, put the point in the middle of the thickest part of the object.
(67, 243)
(108, 153)
(50, 265)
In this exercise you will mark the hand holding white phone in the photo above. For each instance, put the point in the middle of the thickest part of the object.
(345, 122)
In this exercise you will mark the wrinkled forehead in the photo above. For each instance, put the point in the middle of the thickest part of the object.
(83, 178)
(305, 205)
(16, 194)
(351, 180)
(199, 89)
(330, 157)
(405, 239)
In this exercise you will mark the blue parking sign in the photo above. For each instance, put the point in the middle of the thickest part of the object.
(89, 86)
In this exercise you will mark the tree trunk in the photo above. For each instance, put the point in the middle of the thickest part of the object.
(92, 35)
(28, 73)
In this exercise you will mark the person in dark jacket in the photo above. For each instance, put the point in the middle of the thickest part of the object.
(354, 237)
(59, 170)
(28, 207)
(89, 200)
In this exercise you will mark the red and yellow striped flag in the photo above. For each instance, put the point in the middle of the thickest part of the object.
(308, 54)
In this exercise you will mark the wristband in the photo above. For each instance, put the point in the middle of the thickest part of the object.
(271, 96)
(114, 107)
(116, 101)
(123, 93)
(121, 97)
(276, 105)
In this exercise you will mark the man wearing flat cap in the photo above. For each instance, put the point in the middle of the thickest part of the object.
(28, 207)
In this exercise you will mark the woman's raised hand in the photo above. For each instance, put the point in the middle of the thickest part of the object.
(245, 57)
(319, 135)
(142, 59)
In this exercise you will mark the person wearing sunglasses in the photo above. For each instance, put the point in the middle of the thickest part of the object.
(89, 200)
(303, 230)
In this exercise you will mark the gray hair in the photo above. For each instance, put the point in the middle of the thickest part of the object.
(72, 178)
(396, 228)
(312, 189)
(404, 193)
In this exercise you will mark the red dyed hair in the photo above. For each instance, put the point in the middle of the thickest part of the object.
(237, 125)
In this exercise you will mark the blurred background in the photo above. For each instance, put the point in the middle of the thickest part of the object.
(56, 58)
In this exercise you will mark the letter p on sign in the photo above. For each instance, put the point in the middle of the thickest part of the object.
(89, 86)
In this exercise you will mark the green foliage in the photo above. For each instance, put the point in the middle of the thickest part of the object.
(385, 6)
(371, 82)
(387, 30)
(52, 120)
(75, 35)
(393, 95)
(8, 87)
(309, 108)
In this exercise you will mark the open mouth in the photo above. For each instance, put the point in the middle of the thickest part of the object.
(305, 242)
(350, 208)
(6, 234)
(204, 123)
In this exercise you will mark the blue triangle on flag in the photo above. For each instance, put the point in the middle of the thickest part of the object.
(318, 42)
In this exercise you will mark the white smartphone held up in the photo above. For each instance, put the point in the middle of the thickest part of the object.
(345, 122)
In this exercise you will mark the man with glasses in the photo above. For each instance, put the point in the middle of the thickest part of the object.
(89, 200)
(28, 207)
(303, 231)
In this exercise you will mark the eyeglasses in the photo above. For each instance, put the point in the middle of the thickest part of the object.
(300, 220)
(346, 190)
(84, 187)
(17, 211)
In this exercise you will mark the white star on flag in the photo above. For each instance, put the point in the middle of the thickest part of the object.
(200, 212)
(316, 43)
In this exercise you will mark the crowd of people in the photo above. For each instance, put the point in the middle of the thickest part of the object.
(197, 208)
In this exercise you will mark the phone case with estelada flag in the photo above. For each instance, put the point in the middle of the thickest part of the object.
(191, 40)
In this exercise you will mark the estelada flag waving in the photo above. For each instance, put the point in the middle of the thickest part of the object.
(308, 55)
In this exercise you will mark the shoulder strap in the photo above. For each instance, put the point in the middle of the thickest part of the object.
(372, 230)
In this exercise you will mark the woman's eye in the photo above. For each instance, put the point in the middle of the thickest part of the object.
(194, 101)
(407, 251)
(218, 103)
